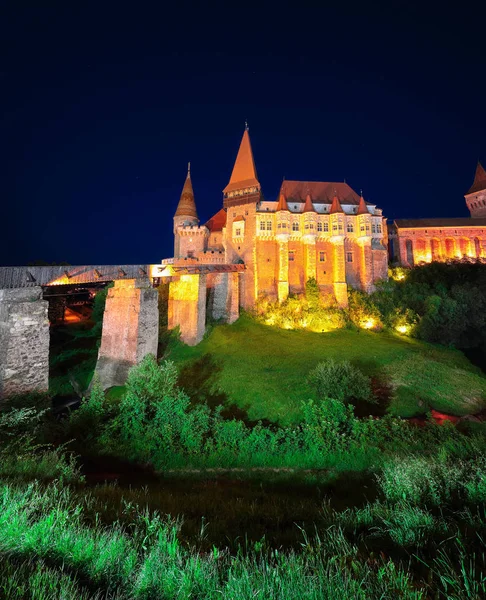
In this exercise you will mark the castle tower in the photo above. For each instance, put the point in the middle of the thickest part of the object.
(364, 242)
(241, 196)
(188, 236)
(309, 237)
(476, 195)
(337, 238)
(282, 237)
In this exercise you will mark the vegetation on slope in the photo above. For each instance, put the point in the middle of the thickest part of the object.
(264, 369)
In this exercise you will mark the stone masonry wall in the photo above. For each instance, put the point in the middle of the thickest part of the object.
(130, 330)
(24, 342)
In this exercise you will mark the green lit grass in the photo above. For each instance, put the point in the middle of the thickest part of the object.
(263, 369)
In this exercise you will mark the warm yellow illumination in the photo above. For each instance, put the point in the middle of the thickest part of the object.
(402, 328)
(368, 324)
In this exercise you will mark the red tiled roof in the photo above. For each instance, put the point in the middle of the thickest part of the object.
(239, 218)
(244, 172)
(479, 183)
(282, 203)
(322, 192)
(362, 208)
(336, 206)
(424, 223)
(217, 221)
(308, 206)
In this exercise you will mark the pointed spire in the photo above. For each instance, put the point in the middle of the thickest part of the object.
(362, 208)
(187, 204)
(479, 180)
(282, 201)
(336, 206)
(244, 173)
(308, 206)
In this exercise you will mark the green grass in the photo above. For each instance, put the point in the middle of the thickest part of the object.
(263, 369)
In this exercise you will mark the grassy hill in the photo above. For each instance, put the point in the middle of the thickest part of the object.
(263, 370)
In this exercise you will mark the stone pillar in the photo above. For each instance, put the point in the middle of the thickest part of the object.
(130, 330)
(366, 266)
(283, 271)
(225, 300)
(187, 307)
(24, 342)
(339, 265)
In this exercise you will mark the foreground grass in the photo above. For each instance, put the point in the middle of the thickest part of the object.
(263, 369)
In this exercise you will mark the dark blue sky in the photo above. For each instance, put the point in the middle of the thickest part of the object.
(102, 106)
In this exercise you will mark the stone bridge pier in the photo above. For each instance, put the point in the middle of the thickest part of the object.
(194, 296)
(130, 329)
(24, 341)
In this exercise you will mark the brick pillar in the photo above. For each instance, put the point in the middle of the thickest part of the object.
(339, 270)
(403, 256)
(283, 271)
(130, 330)
(24, 342)
(310, 259)
(187, 307)
(428, 250)
(366, 267)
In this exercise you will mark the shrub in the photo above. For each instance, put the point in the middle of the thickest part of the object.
(340, 380)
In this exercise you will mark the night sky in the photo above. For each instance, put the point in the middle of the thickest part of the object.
(102, 107)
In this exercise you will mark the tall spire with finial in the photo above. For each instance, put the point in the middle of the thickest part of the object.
(187, 204)
(244, 175)
(336, 205)
(308, 206)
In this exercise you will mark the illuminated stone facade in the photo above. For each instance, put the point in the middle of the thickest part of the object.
(415, 241)
(320, 230)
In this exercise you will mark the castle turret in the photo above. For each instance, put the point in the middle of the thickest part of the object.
(243, 186)
(476, 195)
(188, 236)
(364, 219)
(309, 237)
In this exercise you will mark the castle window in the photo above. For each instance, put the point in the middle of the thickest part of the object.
(378, 228)
(262, 225)
(311, 226)
(326, 226)
(291, 255)
(367, 228)
(284, 225)
(307, 226)
(279, 226)
(362, 228)
(319, 226)
(190, 254)
(373, 228)
(238, 232)
(349, 256)
(334, 227)
(322, 257)
(295, 226)
(340, 226)
(269, 225)
(350, 228)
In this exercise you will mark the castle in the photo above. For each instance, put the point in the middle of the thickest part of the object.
(321, 230)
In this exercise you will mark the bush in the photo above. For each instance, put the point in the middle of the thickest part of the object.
(340, 380)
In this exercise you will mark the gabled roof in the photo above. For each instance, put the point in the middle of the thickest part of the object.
(187, 204)
(244, 173)
(322, 192)
(479, 183)
(424, 223)
(217, 221)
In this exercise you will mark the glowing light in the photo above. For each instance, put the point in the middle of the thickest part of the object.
(402, 328)
(368, 324)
